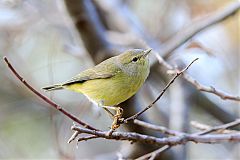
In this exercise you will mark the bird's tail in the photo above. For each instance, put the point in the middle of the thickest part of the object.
(53, 87)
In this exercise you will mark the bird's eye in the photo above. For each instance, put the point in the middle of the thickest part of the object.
(134, 59)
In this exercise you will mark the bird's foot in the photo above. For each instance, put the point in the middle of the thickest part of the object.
(117, 119)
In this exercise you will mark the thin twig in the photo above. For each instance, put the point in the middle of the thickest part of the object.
(46, 99)
(154, 154)
(161, 94)
(73, 137)
(204, 127)
(220, 127)
(161, 129)
(87, 138)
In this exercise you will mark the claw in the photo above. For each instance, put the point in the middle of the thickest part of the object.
(117, 119)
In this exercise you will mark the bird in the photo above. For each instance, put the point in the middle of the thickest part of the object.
(112, 81)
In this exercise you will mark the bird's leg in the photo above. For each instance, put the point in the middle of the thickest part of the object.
(116, 118)
(109, 112)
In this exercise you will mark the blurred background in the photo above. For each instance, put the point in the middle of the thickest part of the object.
(49, 41)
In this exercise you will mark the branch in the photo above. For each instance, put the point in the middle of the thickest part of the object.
(90, 27)
(175, 140)
(178, 73)
(205, 128)
(87, 138)
(210, 89)
(221, 127)
(197, 27)
(46, 99)
(161, 129)
(154, 154)
(196, 84)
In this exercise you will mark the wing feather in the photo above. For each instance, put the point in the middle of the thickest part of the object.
(103, 70)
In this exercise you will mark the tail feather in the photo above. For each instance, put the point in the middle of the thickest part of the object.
(53, 87)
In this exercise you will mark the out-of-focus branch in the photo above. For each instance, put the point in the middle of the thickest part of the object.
(196, 27)
(92, 31)
(120, 18)
(46, 99)
(220, 127)
(154, 154)
(205, 128)
(203, 102)
(178, 73)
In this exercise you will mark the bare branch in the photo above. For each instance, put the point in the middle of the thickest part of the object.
(73, 137)
(178, 73)
(196, 84)
(210, 89)
(87, 138)
(221, 127)
(154, 154)
(205, 128)
(161, 129)
(175, 140)
(187, 33)
(90, 27)
(46, 99)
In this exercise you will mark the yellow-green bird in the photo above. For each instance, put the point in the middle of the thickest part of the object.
(112, 81)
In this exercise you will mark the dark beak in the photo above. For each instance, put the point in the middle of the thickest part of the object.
(146, 52)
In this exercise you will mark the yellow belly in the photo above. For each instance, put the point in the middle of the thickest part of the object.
(110, 91)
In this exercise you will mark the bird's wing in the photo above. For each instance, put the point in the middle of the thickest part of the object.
(100, 71)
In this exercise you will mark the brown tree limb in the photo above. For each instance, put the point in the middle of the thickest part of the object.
(178, 73)
(46, 99)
